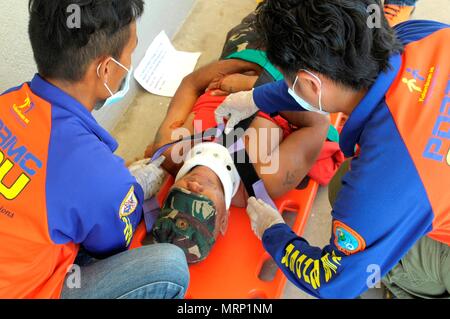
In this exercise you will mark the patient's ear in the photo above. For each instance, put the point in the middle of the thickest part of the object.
(223, 223)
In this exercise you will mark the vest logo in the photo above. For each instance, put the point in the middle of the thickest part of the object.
(448, 158)
(412, 83)
(438, 143)
(13, 191)
(14, 154)
(22, 110)
(417, 83)
(412, 86)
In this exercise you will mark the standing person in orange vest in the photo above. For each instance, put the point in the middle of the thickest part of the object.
(61, 186)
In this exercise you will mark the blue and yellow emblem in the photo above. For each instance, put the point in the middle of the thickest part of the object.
(346, 239)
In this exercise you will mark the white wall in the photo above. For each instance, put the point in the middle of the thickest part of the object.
(167, 15)
(16, 58)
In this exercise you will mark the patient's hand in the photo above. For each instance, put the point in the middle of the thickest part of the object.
(226, 85)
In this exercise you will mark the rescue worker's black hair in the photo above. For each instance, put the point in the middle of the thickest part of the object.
(331, 37)
(63, 49)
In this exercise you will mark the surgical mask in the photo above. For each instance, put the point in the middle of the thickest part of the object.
(123, 90)
(305, 104)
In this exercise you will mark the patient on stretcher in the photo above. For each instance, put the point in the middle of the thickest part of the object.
(281, 150)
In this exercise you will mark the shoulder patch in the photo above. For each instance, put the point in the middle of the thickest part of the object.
(129, 204)
(346, 239)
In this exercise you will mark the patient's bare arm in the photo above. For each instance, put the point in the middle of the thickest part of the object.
(297, 153)
(185, 98)
(233, 83)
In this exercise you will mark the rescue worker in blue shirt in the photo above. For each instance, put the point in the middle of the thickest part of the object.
(64, 189)
(391, 217)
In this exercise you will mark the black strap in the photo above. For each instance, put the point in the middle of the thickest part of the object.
(236, 134)
(241, 159)
(246, 171)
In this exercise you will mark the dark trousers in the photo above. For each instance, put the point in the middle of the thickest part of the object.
(424, 272)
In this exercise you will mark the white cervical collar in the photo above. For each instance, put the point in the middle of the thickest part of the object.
(217, 158)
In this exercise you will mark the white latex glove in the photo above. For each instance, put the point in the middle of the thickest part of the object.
(236, 108)
(262, 216)
(149, 175)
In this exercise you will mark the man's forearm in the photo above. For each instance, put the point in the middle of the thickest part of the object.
(197, 82)
(307, 119)
(205, 75)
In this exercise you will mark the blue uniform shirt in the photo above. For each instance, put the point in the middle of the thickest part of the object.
(385, 203)
(92, 199)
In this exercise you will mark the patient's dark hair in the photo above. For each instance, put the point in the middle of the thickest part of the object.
(64, 51)
(331, 37)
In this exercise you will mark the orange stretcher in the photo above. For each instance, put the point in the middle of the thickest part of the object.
(238, 267)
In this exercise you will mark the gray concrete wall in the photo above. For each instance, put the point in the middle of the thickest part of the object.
(17, 63)
(168, 15)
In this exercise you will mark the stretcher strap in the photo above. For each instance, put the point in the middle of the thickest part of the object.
(253, 184)
(261, 193)
(151, 213)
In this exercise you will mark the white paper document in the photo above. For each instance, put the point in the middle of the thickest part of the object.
(163, 67)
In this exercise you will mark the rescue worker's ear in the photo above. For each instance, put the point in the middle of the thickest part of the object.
(104, 69)
(309, 83)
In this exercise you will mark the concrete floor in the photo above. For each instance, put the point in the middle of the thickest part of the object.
(205, 31)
